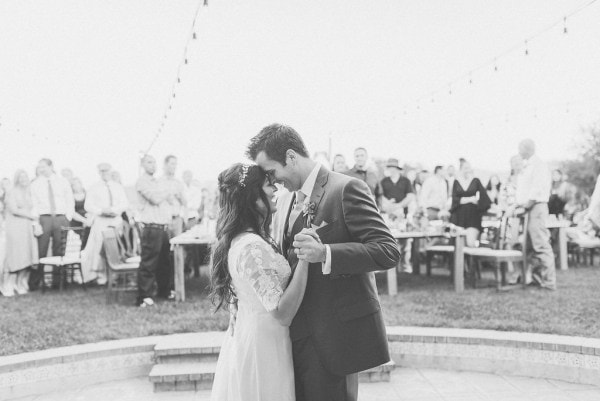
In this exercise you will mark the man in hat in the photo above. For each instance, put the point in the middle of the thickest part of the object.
(363, 173)
(398, 197)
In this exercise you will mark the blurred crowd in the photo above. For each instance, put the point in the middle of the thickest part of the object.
(36, 214)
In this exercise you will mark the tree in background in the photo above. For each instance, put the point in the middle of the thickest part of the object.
(583, 171)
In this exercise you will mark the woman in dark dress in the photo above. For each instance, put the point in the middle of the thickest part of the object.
(79, 217)
(469, 202)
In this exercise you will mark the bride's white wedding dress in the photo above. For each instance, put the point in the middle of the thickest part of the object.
(255, 364)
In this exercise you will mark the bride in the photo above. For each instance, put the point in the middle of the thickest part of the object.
(255, 362)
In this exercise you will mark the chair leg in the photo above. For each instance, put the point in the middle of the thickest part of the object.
(428, 258)
(81, 275)
(498, 276)
(523, 274)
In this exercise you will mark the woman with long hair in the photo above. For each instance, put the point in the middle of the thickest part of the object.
(250, 274)
(493, 188)
(469, 202)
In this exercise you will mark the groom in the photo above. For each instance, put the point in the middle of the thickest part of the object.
(338, 330)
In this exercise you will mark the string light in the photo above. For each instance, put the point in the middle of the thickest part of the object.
(526, 49)
(565, 31)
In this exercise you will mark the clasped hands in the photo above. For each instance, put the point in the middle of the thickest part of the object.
(308, 246)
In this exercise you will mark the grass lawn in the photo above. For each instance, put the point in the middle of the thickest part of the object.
(39, 321)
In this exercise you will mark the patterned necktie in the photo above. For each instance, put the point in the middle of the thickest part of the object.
(298, 205)
(51, 199)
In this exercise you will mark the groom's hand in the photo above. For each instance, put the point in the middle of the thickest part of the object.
(309, 248)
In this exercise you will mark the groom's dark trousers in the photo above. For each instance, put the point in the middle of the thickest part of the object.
(339, 330)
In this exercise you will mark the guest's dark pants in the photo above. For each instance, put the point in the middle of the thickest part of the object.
(155, 266)
(51, 228)
(314, 382)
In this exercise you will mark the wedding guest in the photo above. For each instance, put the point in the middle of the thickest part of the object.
(365, 174)
(177, 202)
(80, 216)
(592, 213)
(53, 200)
(508, 190)
(193, 196)
(67, 174)
(127, 231)
(155, 203)
(106, 201)
(398, 195)
(21, 245)
(558, 193)
(339, 164)
(493, 188)
(469, 202)
(450, 177)
(533, 189)
(434, 194)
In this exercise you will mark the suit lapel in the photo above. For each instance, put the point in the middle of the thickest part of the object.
(319, 190)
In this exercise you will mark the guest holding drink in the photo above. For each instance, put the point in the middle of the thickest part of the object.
(21, 245)
(469, 202)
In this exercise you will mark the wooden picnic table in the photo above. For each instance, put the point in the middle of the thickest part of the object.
(178, 244)
(417, 236)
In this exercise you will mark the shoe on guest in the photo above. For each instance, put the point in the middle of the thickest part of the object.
(171, 296)
(536, 278)
(147, 303)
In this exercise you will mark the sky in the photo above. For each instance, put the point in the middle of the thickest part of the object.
(88, 81)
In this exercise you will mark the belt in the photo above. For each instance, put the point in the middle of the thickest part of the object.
(163, 227)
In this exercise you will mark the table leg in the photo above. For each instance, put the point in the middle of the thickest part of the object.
(179, 254)
(562, 248)
(459, 263)
(416, 256)
(392, 280)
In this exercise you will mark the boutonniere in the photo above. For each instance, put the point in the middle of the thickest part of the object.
(308, 211)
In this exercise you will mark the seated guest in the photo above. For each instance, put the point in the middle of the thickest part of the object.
(558, 194)
(21, 245)
(363, 173)
(493, 188)
(105, 202)
(339, 164)
(469, 202)
(434, 194)
(80, 216)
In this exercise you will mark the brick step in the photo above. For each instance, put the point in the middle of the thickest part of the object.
(189, 348)
(195, 376)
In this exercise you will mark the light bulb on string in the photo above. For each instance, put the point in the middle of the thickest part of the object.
(205, 3)
(186, 61)
(526, 49)
(495, 65)
(194, 37)
(173, 96)
(450, 89)
(565, 30)
(470, 78)
(178, 80)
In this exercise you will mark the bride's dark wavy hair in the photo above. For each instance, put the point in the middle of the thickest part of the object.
(238, 212)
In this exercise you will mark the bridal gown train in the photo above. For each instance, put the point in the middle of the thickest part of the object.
(255, 363)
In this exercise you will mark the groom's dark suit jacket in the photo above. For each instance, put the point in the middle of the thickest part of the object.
(340, 312)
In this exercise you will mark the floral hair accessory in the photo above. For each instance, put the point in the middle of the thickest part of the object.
(244, 174)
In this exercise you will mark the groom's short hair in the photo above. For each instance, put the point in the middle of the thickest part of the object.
(275, 140)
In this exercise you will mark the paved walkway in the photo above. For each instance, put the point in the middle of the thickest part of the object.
(406, 384)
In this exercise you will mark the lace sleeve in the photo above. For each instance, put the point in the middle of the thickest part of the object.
(259, 266)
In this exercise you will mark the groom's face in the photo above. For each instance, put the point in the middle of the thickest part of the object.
(287, 175)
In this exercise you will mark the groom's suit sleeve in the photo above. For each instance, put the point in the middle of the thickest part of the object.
(373, 247)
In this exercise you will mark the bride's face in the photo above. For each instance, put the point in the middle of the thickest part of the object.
(269, 189)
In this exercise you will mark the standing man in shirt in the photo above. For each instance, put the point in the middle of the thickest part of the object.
(365, 174)
(105, 201)
(398, 199)
(434, 194)
(193, 196)
(53, 200)
(533, 191)
(155, 202)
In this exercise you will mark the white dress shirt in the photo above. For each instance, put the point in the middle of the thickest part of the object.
(98, 198)
(193, 196)
(434, 193)
(63, 196)
(307, 189)
(534, 183)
